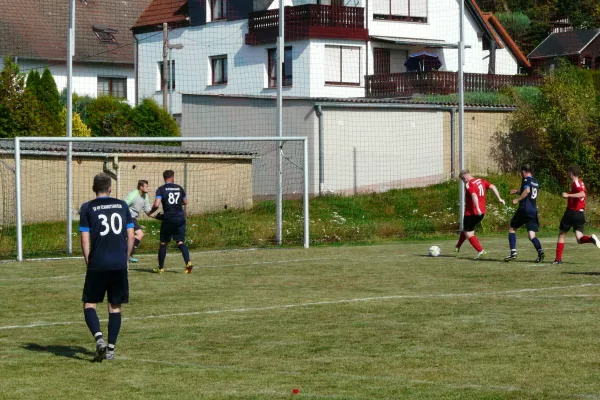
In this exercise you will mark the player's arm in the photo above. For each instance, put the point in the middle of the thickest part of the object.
(476, 203)
(84, 228)
(147, 207)
(578, 195)
(130, 232)
(494, 189)
(523, 195)
(184, 202)
(130, 198)
(157, 200)
(85, 246)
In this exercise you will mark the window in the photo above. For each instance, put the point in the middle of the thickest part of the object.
(342, 65)
(400, 10)
(115, 87)
(170, 74)
(105, 34)
(219, 70)
(287, 67)
(218, 9)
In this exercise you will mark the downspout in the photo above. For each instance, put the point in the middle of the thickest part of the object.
(453, 143)
(367, 41)
(136, 60)
(319, 110)
(492, 66)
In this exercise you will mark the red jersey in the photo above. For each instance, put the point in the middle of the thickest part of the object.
(478, 187)
(577, 204)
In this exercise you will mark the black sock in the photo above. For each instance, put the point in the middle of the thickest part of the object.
(136, 243)
(114, 326)
(537, 244)
(162, 254)
(93, 323)
(185, 253)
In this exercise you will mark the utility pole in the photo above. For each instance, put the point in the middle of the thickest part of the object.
(163, 83)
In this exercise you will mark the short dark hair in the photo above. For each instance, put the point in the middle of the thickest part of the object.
(526, 168)
(168, 174)
(574, 169)
(463, 173)
(102, 183)
(141, 183)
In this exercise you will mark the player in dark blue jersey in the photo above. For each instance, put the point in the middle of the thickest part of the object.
(527, 214)
(107, 239)
(173, 198)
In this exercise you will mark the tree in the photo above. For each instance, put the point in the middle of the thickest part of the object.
(149, 119)
(19, 109)
(79, 128)
(49, 98)
(33, 82)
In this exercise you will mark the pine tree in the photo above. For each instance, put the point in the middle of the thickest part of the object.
(48, 95)
(33, 82)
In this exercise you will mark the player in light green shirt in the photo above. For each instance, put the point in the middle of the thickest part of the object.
(138, 201)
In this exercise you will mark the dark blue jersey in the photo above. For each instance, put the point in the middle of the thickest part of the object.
(171, 196)
(107, 220)
(529, 203)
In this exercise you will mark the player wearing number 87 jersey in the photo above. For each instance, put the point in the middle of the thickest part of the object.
(173, 226)
(107, 239)
(527, 214)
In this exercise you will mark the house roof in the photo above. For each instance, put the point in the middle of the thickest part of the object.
(494, 22)
(160, 11)
(34, 29)
(126, 148)
(565, 43)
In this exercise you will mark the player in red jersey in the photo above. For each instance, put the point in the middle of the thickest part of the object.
(574, 216)
(475, 209)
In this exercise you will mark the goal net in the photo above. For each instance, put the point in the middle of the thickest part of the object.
(231, 186)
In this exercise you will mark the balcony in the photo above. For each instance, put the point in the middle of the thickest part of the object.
(440, 82)
(307, 21)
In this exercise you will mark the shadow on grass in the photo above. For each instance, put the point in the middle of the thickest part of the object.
(596, 273)
(75, 352)
(150, 271)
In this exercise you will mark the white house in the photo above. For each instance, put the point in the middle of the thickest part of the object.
(34, 34)
(332, 46)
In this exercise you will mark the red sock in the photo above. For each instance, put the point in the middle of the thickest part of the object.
(559, 250)
(585, 239)
(461, 240)
(475, 243)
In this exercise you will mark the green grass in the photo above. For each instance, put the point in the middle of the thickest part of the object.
(527, 93)
(419, 213)
(368, 322)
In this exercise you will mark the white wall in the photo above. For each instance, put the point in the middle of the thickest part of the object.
(85, 76)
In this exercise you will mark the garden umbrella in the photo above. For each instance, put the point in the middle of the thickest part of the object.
(422, 62)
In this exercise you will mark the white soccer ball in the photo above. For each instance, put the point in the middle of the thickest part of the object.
(435, 251)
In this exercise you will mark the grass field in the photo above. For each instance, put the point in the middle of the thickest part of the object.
(347, 322)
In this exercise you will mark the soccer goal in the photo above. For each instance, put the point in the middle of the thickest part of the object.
(242, 192)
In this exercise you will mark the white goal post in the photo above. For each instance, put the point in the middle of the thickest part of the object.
(279, 142)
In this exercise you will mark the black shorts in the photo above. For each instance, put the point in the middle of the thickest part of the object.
(471, 221)
(172, 228)
(114, 283)
(136, 225)
(529, 220)
(572, 219)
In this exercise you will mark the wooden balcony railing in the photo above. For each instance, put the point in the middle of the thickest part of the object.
(440, 82)
(308, 21)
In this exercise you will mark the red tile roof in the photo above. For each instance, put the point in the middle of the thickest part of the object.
(33, 29)
(160, 11)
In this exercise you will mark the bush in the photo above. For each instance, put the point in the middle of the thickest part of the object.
(109, 116)
(79, 128)
(558, 127)
(150, 120)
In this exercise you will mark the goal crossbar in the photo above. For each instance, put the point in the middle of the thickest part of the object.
(18, 183)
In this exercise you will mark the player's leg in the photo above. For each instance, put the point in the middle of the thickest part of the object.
(165, 238)
(179, 238)
(512, 242)
(118, 293)
(533, 226)
(475, 220)
(93, 293)
(463, 234)
(139, 235)
(560, 247)
(579, 229)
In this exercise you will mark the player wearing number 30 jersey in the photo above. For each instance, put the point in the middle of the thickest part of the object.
(173, 198)
(107, 239)
(475, 208)
(527, 214)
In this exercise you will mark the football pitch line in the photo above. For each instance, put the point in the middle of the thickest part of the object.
(318, 303)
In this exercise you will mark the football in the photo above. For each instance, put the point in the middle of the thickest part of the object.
(434, 251)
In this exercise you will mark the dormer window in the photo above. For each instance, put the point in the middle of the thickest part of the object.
(105, 34)
(218, 9)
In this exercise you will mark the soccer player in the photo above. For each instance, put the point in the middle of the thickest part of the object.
(138, 201)
(106, 240)
(527, 214)
(173, 198)
(475, 209)
(574, 215)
